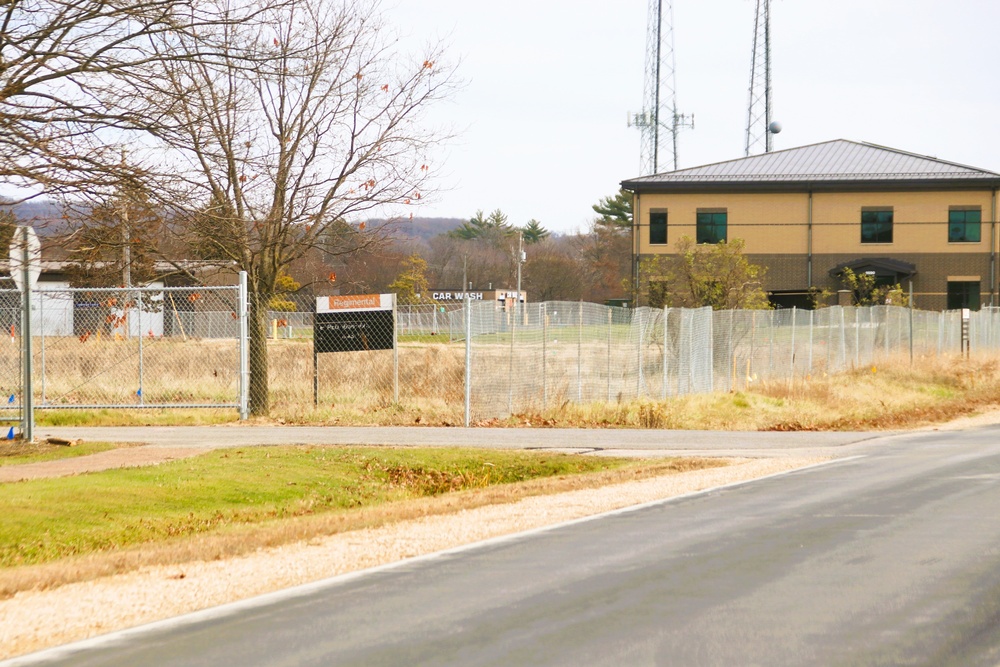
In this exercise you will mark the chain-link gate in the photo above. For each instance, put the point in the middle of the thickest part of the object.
(149, 347)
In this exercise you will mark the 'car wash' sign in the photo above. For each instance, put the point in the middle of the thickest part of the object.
(353, 323)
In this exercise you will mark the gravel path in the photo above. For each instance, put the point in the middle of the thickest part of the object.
(34, 620)
(123, 457)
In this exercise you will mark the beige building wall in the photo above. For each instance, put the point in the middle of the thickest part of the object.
(751, 217)
(920, 221)
(775, 229)
(777, 223)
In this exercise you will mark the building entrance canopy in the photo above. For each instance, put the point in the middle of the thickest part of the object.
(881, 267)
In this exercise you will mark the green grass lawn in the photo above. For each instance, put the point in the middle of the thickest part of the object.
(48, 519)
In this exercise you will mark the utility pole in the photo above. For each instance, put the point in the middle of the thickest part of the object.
(520, 261)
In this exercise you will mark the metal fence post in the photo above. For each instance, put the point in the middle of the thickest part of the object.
(885, 332)
(395, 350)
(610, 331)
(665, 339)
(244, 398)
(138, 301)
(843, 341)
(857, 337)
(27, 399)
(510, 360)
(41, 335)
(468, 361)
(811, 318)
(770, 344)
(638, 353)
(545, 338)
(579, 358)
(792, 369)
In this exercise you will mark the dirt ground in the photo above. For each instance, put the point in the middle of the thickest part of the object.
(122, 457)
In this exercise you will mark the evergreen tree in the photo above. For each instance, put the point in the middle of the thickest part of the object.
(534, 232)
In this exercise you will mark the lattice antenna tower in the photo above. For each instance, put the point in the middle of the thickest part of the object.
(759, 126)
(659, 121)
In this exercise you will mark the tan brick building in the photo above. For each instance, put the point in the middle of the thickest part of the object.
(807, 212)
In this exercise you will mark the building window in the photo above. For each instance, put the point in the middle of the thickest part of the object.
(876, 225)
(657, 227)
(963, 294)
(964, 224)
(711, 226)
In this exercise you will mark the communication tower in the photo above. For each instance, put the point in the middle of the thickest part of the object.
(659, 119)
(759, 124)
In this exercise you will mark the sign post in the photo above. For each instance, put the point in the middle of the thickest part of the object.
(25, 267)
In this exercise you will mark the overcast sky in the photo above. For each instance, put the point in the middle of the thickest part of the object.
(542, 117)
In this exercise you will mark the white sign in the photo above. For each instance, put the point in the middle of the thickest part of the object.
(17, 256)
(457, 296)
(353, 303)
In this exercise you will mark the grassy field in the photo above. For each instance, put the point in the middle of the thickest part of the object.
(233, 501)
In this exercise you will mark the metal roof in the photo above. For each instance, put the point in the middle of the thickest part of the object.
(839, 162)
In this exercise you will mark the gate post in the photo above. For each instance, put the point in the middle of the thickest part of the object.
(27, 395)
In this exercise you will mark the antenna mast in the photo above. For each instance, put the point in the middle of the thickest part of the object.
(659, 117)
(759, 129)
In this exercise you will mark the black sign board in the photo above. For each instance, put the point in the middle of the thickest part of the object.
(353, 331)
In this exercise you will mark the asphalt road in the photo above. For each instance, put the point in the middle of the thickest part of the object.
(890, 558)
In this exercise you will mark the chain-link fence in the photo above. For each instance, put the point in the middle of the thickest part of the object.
(555, 353)
(188, 347)
(123, 348)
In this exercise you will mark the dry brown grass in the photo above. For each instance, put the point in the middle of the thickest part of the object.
(237, 540)
(891, 395)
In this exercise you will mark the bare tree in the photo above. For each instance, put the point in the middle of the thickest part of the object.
(115, 243)
(59, 60)
(303, 123)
